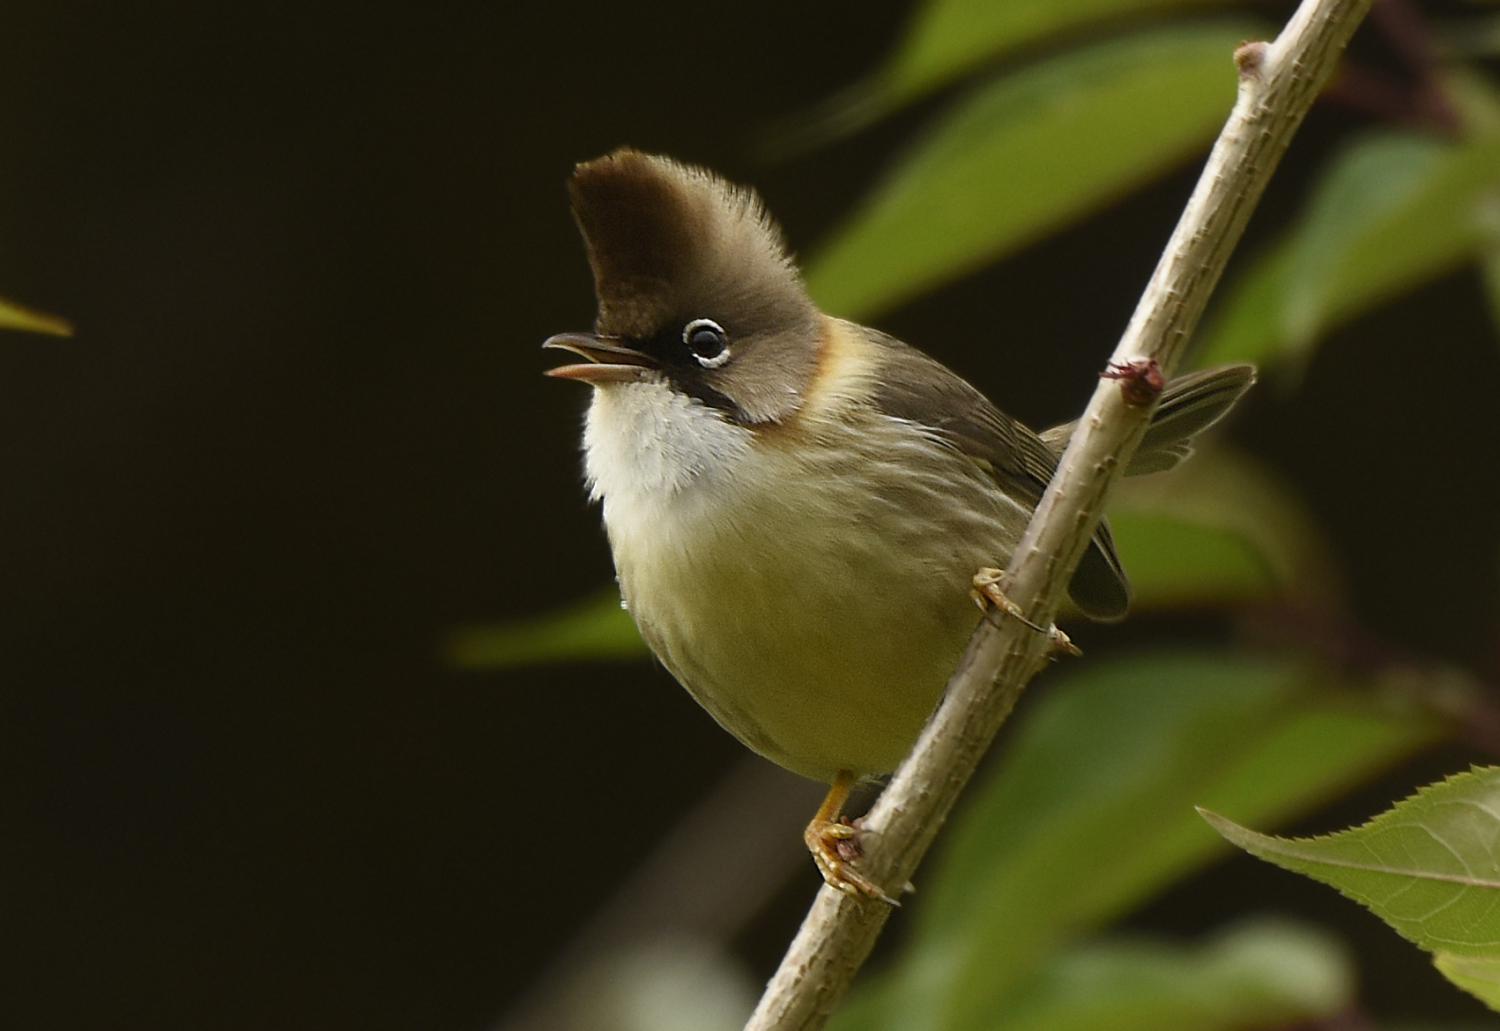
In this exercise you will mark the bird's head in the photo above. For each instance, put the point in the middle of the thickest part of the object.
(695, 288)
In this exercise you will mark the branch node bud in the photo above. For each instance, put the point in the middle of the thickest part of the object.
(1141, 380)
(1249, 58)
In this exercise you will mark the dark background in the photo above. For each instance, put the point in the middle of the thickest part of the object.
(301, 434)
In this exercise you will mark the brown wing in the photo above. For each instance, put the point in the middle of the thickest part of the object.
(923, 390)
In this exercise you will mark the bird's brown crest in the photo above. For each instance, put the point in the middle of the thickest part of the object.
(665, 240)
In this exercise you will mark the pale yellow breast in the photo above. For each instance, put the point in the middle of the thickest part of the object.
(813, 599)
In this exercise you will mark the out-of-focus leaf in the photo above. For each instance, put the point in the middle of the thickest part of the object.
(1090, 809)
(1029, 153)
(13, 316)
(947, 39)
(1394, 211)
(1429, 867)
(669, 985)
(1174, 562)
(1263, 975)
(869, 1007)
(1473, 95)
(593, 630)
(950, 37)
(1218, 528)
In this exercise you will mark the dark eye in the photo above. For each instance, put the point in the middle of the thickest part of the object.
(708, 342)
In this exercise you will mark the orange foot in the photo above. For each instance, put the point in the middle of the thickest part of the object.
(834, 844)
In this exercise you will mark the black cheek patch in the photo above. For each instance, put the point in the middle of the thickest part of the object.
(698, 389)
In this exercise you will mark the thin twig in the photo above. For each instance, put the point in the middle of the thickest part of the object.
(1278, 82)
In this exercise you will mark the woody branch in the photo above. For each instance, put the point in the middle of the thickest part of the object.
(1278, 82)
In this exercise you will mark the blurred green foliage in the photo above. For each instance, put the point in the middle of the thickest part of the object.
(1089, 812)
(1024, 155)
(1265, 974)
(597, 628)
(1393, 211)
(949, 39)
(13, 316)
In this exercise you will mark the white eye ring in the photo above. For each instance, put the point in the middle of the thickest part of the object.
(710, 361)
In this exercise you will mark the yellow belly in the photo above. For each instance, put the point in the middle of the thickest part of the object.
(815, 607)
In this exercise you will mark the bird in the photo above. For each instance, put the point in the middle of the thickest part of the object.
(798, 506)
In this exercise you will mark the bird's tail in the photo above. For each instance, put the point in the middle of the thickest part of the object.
(1189, 405)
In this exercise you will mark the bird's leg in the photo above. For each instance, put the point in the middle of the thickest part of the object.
(834, 843)
(987, 592)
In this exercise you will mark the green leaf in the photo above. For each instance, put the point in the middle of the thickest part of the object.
(1219, 529)
(1429, 867)
(1026, 155)
(13, 316)
(1474, 98)
(1263, 975)
(1090, 809)
(948, 39)
(597, 629)
(1480, 977)
(1174, 562)
(1394, 211)
(870, 1005)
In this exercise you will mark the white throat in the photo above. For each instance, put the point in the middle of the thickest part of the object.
(645, 443)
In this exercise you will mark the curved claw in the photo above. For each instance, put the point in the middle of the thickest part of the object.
(835, 848)
(834, 844)
(987, 593)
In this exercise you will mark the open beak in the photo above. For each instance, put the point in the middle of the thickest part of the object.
(608, 362)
